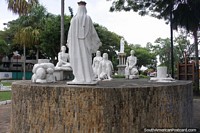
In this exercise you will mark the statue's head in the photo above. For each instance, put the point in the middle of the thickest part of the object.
(132, 52)
(82, 3)
(82, 8)
(63, 48)
(105, 56)
(98, 53)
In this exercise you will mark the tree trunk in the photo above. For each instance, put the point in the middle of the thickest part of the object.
(62, 23)
(197, 62)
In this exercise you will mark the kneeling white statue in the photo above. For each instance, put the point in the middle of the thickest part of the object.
(96, 62)
(105, 68)
(43, 73)
(131, 71)
(63, 60)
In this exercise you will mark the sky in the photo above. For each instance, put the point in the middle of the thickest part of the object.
(133, 27)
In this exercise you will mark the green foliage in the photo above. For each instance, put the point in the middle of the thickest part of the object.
(6, 83)
(25, 30)
(162, 47)
(144, 55)
(5, 95)
(21, 7)
(143, 76)
(118, 76)
(110, 43)
(4, 48)
(50, 36)
(159, 9)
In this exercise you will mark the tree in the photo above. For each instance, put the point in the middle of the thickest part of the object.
(31, 25)
(110, 43)
(186, 14)
(144, 56)
(183, 46)
(164, 51)
(4, 48)
(21, 7)
(162, 48)
(50, 35)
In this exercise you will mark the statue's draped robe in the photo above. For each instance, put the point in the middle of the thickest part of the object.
(82, 42)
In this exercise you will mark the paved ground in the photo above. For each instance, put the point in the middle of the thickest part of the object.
(196, 114)
(5, 111)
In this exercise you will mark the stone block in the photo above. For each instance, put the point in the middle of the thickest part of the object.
(118, 106)
(63, 75)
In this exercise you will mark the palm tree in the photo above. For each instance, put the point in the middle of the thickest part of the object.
(26, 36)
(21, 7)
(187, 15)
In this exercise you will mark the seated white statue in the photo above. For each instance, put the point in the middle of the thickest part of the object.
(105, 68)
(63, 60)
(131, 70)
(43, 73)
(96, 62)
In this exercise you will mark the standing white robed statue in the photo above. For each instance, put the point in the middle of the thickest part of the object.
(96, 61)
(131, 71)
(122, 45)
(82, 42)
(105, 68)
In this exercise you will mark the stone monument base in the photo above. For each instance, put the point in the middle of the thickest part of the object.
(82, 83)
(121, 69)
(63, 75)
(117, 106)
(133, 76)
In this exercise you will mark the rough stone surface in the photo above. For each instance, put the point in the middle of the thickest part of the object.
(117, 106)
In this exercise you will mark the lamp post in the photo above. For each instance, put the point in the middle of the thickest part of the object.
(172, 44)
(17, 64)
(16, 54)
(24, 66)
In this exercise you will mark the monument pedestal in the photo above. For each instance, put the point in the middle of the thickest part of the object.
(117, 106)
(122, 63)
(63, 75)
(121, 69)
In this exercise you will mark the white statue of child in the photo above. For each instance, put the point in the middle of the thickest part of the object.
(105, 68)
(122, 43)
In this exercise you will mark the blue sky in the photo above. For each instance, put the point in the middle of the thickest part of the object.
(134, 28)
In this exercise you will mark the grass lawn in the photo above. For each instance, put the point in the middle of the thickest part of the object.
(6, 83)
(5, 95)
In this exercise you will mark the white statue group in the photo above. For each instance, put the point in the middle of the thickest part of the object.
(82, 42)
(102, 67)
